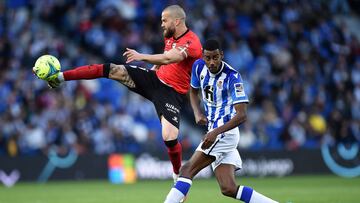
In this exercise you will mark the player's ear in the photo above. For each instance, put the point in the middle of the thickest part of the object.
(177, 21)
(222, 55)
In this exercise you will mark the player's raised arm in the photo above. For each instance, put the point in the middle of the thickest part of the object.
(171, 56)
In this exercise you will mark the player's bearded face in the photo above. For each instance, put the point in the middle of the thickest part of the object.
(213, 60)
(169, 31)
(167, 24)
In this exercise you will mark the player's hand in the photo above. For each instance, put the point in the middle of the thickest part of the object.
(132, 55)
(208, 140)
(201, 119)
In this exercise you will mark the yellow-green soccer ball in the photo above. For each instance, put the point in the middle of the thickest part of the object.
(47, 67)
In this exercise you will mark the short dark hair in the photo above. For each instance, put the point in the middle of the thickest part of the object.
(212, 44)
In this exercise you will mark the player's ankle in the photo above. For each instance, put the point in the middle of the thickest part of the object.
(175, 176)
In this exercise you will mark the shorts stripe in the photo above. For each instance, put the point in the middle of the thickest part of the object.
(213, 146)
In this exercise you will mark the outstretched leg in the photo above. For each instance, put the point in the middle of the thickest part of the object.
(197, 162)
(88, 72)
(225, 176)
(121, 74)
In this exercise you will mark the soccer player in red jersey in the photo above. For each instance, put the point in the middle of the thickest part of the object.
(165, 85)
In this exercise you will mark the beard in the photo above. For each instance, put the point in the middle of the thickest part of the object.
(169, 32)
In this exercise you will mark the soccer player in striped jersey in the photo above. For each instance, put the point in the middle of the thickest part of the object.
(225, 102)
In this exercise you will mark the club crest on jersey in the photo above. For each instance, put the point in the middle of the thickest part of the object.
(239, 90)
(219, 84)
(201, 77)
(173, 45)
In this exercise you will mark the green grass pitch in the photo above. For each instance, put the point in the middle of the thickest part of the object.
(294, 189)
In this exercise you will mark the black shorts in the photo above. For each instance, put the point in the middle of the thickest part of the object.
(166, 100)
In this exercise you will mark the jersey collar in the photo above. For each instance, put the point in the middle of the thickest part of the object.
(181, 35)
(221, 69)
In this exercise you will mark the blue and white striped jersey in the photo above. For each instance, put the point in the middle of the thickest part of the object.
(219, 91)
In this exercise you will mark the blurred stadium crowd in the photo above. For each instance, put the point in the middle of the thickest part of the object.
(302, 73)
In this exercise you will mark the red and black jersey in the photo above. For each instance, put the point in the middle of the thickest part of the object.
(177, 75)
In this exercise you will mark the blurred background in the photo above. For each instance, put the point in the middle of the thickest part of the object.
(300, 61)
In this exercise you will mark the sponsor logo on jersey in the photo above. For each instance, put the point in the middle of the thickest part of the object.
(172, 108)
(239, 90)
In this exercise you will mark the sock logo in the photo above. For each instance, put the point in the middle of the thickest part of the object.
(342, 159)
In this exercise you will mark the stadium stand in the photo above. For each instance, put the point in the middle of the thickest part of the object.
(301, 67)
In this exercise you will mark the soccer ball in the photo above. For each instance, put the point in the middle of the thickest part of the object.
(47, 67)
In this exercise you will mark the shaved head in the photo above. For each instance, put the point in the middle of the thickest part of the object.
(173, 21)
(175, 11)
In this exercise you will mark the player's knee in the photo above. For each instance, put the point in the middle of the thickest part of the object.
(170, 135)
(228, 190)
(169, 132)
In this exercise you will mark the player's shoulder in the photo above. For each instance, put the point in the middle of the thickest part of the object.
(193, 35)
(198, 66)
(199, 63)
(192, 38)
(229, 70)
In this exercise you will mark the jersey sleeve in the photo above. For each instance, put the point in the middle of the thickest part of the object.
(236, 87)
(195, 82)
(195, 50)
(191, 48)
